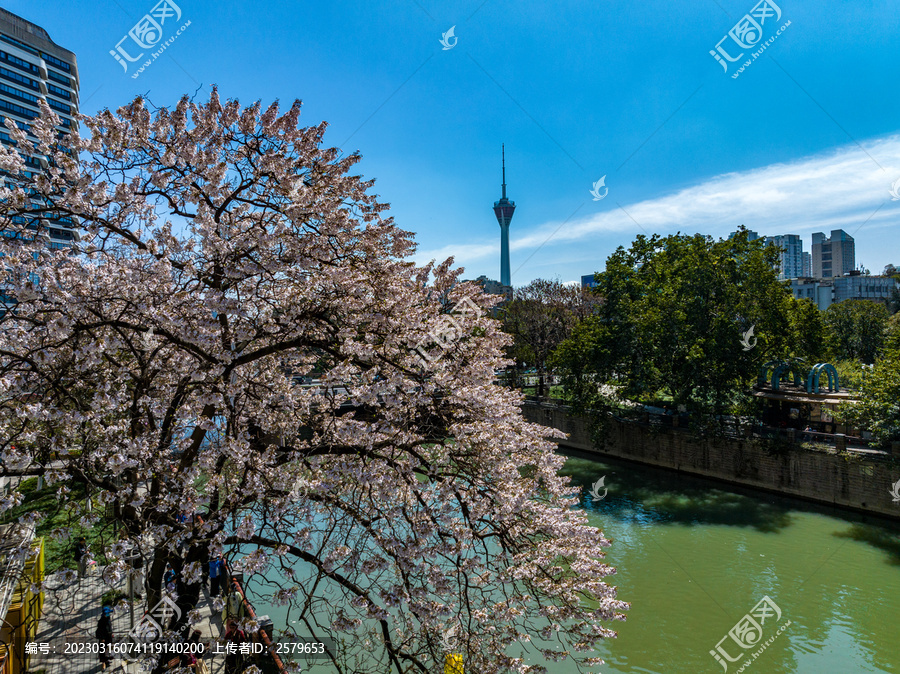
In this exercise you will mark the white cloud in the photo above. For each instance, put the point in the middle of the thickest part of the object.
(841, 189)
(459, 251)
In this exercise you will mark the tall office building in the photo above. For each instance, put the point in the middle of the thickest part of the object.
(504, 210)
(807, 265)
(33, 67)
(834, 256)
(790, 256)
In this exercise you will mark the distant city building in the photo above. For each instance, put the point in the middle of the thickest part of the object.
(807, 265)
(588, 281)
(34, 68)
(858, 287)
(825, 292)
(790, 256)
(751, 236)
(833, 256)
(820, 292)
(491, 286)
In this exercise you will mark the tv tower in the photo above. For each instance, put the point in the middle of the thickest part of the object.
(504, 210)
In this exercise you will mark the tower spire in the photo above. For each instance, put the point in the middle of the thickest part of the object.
(503, 151)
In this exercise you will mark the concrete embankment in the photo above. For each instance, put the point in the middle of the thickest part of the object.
(855, 480)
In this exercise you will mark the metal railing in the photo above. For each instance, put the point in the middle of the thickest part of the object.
(681, 422)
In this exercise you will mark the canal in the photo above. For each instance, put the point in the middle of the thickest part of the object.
(695, 558)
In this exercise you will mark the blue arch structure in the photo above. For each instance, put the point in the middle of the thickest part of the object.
(782, 370)
(812, 382)
(764, 372)
(786, 368)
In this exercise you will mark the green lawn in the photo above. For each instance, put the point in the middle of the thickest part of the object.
(58, 553)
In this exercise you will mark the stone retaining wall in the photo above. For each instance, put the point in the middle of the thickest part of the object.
(860, 483)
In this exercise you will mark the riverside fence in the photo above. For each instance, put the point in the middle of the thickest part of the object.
(844, 474)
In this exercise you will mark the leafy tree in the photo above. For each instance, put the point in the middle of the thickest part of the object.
(808, 336)
(539, 317)
(856, 329)
(224, 253)
(674, 320)
(893, 302)
(892, 333)
(585, 360)
(876, 409)
(850, 373)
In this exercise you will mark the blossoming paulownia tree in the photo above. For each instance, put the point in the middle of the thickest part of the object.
(223, 252)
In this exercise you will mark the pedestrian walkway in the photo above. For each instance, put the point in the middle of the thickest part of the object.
(72, 609)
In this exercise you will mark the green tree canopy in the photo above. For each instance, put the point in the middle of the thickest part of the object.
(686, 317)
(892, 334)
(808, 333)
(893, 302)
(878, 407)
(856, 329)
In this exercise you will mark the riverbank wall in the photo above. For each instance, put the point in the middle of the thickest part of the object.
(860, 481)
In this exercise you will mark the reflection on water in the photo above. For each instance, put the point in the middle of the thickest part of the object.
(695, 557)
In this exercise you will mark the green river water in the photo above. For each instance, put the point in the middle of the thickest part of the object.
(694, 557)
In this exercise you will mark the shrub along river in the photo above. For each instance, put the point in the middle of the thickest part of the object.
(696, 560)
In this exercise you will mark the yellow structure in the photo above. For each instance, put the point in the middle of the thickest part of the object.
(20, 608)
(453, 663)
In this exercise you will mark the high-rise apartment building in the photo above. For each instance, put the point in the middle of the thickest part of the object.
(33, 67)
(807, 265)
(834, 256)
(790, 256)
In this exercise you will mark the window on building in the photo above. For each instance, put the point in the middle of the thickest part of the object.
(58, 91)
(18, 109)
(19, 63)
(61, 107)
(18, 93)
(19, 78)
(62, 65)
(56, 77)
(20, 45)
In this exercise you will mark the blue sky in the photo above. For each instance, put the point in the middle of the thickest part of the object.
(805, 139)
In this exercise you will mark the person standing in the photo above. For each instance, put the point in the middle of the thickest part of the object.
(216, 567)
(169, 579)
(81, 556)
(234, 637)
(104, 635)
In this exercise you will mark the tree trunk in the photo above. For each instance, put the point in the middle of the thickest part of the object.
(188, 594)
(155, 578)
